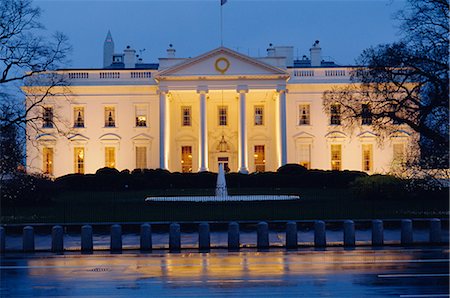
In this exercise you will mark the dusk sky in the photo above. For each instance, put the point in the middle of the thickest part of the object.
(344, 28)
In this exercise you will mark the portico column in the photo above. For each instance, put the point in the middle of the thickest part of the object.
(281, 89)
(243, 154)
(163, 129)
(203, 133)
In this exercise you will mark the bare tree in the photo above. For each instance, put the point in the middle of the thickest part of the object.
(404, 84)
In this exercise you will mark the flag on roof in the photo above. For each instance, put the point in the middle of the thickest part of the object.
(222, 2)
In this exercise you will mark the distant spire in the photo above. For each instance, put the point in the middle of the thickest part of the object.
(109, 37)
(108, 50)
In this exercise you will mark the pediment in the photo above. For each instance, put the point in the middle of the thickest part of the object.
(367, 135)
(335, 135)
(110, 137)
(303, 135)
(78, 137)
(222, 63)
(142, 137)
(400, 134)
(46, 137)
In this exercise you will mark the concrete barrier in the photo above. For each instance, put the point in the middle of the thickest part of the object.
(87, 244)
(377, 233)
(406, 232)
(320, 239)
(2, 240)
(146, 237)
(435, 231)
(28, 239)
(204, 241)
(57, 239)
(349, 233)
(291, 235)
(174, 237)
(116, 238)
(233, 236)
(262, 240)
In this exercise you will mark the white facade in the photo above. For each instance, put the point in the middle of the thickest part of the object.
(268, 110)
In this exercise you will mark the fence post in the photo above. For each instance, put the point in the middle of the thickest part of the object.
(291, 235)
(377, 233)
(146, 237)
(349, 233)
(116, 238)
(407, 232)
(57, 239)
(233, 236)
(87, 245)
(435, 231)
(320, 238)
(2, 240)
(28, 239)
(174, 237)
(203, 237)
(262, 241)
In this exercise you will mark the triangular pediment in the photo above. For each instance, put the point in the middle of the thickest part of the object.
(222, 63)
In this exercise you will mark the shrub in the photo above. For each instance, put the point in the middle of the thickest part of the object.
(380, 187)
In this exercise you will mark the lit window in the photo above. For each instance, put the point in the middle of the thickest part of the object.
(367, 157)
(224, 161)
(398, 153)
(366, 115)
(79, 160)
(336, 157)
(141, 157)
(260, 158)
(110, 157)
(141, 116)
(186, 116)
(110, 117)
(304, 118)
(186, 159)
(335, 114)
(259, 115)
(47, 117)
(223, 115)
(305, 155)
(78, 116)
(47, 158)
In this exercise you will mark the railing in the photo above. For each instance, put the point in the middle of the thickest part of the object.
(110, 75)
(141, 74)
(321, 74)
(78, 75)
(303, 73)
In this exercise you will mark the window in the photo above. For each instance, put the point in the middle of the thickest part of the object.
(47, 158)
(78, 117)
(79, 160)
(398, 153)
(186, 159)
(366, 115)
(141, 116)
(259, 115)
(367, 157)
(223, 115)
(260, 158)
(110, 157)
(304, 118)
(305, 155)
(336, 157)
(47, 117)
(141, 157)
(335, 113)
(110, 117)
(186, 116)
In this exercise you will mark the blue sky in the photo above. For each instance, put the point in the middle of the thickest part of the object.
(344, 28)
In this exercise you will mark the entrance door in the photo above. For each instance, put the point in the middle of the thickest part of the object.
(224, 161)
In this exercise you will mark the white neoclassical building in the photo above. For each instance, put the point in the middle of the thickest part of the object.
(191, 114)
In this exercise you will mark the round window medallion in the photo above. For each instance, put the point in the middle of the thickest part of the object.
(222, 64)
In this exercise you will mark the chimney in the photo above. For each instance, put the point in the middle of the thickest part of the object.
(316, 54)
(270, 51)
(171, 51)
(129, 57)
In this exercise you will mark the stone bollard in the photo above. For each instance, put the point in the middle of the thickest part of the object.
(377, 233)
(320, 238)
(146, 237)
(28, 239)
(291, 235)
(174, 237)
(87, 245)
(349, 233)
(203, 237)
(262, 241)
(406, 232)
(435, 231)
(2, 240)
(233, 236)
(57, 239)
(116, 238)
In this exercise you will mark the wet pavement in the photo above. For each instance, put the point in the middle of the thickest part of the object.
(334, 272)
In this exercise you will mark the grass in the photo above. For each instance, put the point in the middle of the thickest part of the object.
(129, 206)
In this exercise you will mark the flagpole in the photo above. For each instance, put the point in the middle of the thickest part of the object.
(221, 26)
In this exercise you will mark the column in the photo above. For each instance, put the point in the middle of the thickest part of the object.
(163, 128)
(281, 89)
(243, 154)
(203, 132)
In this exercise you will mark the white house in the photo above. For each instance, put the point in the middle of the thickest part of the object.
(191, 114)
